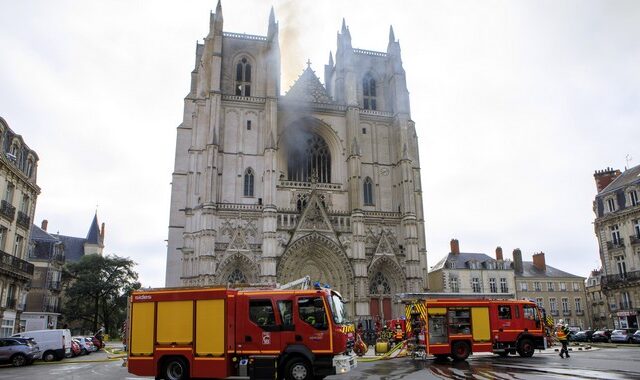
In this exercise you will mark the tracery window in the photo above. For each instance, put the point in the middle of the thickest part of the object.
(368, 191)
(248, 183)
(369, 92)
(243, 77)
(309, 159)
(237, 277)
(379, 284)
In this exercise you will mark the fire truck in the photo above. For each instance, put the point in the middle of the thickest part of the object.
(180, 333)
(457, 328)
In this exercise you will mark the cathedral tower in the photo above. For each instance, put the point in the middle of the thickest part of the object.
(323, 181)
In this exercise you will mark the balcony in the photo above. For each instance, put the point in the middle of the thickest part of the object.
(7, 210)
(16, 265)
(634, 239)
(23, 220)
(611, 245)
(566, 313)
(614, 280)
(555, 313)
(579, 312)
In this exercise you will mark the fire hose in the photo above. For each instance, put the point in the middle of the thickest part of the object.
(399, 348)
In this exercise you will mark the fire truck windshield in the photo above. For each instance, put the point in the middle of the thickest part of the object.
(337, 308)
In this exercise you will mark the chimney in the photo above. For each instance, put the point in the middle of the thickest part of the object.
(517, 260)
(605, 177)
(44, 225)
(499, 254)
(538, 262)
(455, 247)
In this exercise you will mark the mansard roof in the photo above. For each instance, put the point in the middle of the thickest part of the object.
(628, 177)
(460, 260)
(530, 270)
(38, 234)
(308, 88)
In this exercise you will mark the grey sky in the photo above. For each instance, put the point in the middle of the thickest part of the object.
(516, 104)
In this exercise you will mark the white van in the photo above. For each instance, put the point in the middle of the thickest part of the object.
(54, 344)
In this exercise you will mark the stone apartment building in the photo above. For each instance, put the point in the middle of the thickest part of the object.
(322, 181)
(18, 194)
(472, 273)
(561, 294)
(617, 228)
(597, 301)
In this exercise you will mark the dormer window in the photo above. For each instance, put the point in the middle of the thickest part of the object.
(633, 197)
(369, 92)
(611, 205)
(243, 78)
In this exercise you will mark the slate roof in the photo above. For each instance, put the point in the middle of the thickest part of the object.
(93, 236)
(308, 88)
(628, 177)
(73, 247)
(39, 234)
(529, 270)
(461, 260)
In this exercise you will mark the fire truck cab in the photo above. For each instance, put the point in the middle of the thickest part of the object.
(245, 334)
(459, 327)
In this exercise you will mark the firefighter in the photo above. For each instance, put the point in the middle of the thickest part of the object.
(399, 335)
(562, 332)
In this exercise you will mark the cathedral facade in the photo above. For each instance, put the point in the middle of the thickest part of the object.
(323, 181)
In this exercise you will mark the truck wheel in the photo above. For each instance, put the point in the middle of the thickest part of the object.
(18, 360)
(175, 369)
(525, 348)
(460, 351)
(48, 356)
(297, 369)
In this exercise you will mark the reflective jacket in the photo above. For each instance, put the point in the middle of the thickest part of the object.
(561, 334)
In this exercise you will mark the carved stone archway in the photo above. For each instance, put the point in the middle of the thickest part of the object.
(386, 278)
(322, 259)
(237, 266)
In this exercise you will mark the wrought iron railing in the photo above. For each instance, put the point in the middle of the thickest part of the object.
(619, 279)
(615, 244)
(15, 264)
(7, 210)
(23, 220)
(634, 239)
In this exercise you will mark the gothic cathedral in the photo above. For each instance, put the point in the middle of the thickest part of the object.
(323, 181)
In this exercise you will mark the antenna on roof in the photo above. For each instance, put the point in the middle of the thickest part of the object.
(628, 159)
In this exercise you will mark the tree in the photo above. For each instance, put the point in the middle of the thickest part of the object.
(96, 291)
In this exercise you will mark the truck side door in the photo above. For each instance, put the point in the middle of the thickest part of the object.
(259, 332)
(312, 324)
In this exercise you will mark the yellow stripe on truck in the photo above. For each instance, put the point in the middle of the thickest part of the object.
(210, 327)
(142, 328)
(175, 322)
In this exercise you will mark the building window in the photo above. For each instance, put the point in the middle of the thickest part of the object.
(369, 92)
(3, 239)
(6, 329)
(24, 206)
(364, 131)
(621, 265)
(29, 170)
(308, 158)
(8, 194)
(576, 287)
(626, 301)
(248, 183)
(552, 305)
(565, 305)
(540, 302)
(524, 287)
(493, 288)
(368, 191)
(537, 286)
(611, 205)
(578, 305)
(563, 286)
(615, 235)
(550, 287)
(248, 125)
(379, 284)
(237, 277)
(454, 284)
(475, 285)
(243, 78)
(636, 228)
(17, 247)
(633, 197)
(503, 285)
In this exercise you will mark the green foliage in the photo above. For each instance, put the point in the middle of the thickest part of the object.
(96, 291)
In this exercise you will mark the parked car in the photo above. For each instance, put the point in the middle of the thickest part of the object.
(97, 342)
(580, 336)
(89, 342)
(635, 338)
(622, 335)
(18, 351)
(55, 344)
(75, 348)
(601, 336)
(82, 344)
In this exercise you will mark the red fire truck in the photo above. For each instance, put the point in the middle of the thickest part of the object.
(459, 327)
(184, 333)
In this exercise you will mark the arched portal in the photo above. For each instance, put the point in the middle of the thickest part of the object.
(386, 279)
(237, 268)
(323, 260)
